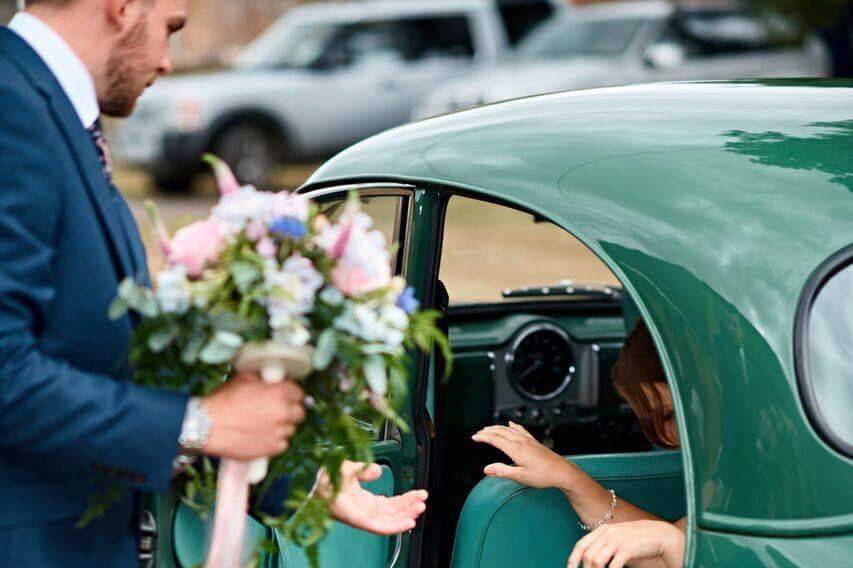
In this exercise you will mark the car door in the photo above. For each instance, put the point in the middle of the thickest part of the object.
(381, 67)
(179, 535)
(391, 207)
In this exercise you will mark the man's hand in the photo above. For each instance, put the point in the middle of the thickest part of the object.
(363, 510)
(620, 544)
(535, 465)
(252, 419)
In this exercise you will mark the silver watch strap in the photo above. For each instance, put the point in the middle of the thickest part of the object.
(195, 429)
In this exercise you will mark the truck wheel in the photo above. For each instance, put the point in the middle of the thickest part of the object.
(252, 151)
(173, 183)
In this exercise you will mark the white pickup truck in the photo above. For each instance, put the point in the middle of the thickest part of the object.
(322, 77)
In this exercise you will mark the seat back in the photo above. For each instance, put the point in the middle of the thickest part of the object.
(504, 524)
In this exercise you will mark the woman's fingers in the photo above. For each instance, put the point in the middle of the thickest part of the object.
(497, 440)
(504, 471)
(521, 430)
(580, 549)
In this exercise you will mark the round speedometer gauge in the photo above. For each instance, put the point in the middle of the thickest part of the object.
(541, 363)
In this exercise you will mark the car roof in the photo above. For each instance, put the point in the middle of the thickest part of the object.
(713, 203)
(640, 8)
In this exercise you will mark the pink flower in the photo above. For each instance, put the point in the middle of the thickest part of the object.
(198, 245)
(224, 176)
(266, 247)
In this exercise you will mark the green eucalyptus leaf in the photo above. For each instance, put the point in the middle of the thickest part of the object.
(246, 275)
(327, 346)
(229, 339)
(190, 353)
(216, 352)
(118, 309)
(162, 338)
(376, 374)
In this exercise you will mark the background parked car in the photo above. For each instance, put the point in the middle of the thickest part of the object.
(321, 78)
(637, 42)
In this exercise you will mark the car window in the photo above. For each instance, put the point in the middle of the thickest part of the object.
(519, 17)
(569, 37)
(709, 33)
(827, 355)
(490, 250)
(387, 212)
(406, 40)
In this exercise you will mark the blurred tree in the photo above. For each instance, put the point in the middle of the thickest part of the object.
(809, 15)
(832, 19)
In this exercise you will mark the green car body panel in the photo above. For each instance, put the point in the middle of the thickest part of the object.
(713, 203)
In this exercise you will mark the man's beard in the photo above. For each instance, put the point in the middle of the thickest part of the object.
(124, 79)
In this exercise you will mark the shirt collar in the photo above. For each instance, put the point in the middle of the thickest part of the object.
(68, 69)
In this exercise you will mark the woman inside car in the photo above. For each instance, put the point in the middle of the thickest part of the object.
(620, 534)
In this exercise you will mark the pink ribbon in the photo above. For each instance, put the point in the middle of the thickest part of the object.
(229, 522)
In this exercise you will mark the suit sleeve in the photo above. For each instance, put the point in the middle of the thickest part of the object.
(51, 414)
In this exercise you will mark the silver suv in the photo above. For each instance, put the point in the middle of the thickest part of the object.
(322, 77)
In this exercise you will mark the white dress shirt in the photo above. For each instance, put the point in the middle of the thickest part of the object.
(65, 65)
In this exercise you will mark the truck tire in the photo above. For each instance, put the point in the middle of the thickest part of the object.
(252, 149)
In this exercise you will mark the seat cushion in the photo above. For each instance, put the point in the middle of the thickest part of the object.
(504, 524)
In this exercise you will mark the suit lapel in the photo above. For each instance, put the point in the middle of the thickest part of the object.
(79, 141)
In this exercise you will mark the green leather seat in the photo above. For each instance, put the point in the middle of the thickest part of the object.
(504, 524)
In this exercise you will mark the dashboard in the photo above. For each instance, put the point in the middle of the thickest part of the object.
(535, 370)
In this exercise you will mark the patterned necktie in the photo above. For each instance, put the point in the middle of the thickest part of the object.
(103, 148)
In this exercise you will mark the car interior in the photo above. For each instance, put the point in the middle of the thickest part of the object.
(535, 331)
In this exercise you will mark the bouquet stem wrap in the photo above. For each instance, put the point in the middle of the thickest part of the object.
(275, 362)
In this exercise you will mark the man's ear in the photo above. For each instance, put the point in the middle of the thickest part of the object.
(122, 14)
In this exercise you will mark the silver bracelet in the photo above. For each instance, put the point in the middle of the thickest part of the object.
(606, 518)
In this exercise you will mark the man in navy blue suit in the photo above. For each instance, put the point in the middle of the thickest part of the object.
(69, 417)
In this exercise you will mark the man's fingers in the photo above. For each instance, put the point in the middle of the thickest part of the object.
(369, 473)
(291, 391)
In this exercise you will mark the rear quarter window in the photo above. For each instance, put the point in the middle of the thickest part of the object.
(824, 350)
(521, 16)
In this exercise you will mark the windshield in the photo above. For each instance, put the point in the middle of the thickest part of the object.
(570, 37)
(298, 46)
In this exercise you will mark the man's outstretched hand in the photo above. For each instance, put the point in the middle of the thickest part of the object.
(363, 510)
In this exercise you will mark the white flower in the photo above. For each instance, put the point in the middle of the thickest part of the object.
(173, 293)
(291, 291)
(291, 205)
(385, 326)
(358, 320)
(244, 206)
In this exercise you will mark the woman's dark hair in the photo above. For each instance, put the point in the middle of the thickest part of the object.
(635, 375)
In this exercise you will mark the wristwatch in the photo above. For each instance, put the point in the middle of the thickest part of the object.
(195, 429)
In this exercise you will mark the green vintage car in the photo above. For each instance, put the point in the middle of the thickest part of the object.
(722, 213)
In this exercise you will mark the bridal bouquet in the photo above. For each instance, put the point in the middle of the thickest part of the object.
(266, 272)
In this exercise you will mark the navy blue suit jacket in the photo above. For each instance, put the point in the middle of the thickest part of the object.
(68, 414)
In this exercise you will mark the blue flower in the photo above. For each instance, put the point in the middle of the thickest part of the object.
(407, 301)
(288, 227)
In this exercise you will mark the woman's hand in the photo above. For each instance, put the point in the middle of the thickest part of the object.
(620, 544)
(535, 465)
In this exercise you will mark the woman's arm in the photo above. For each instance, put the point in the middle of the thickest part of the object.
(538, 466)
